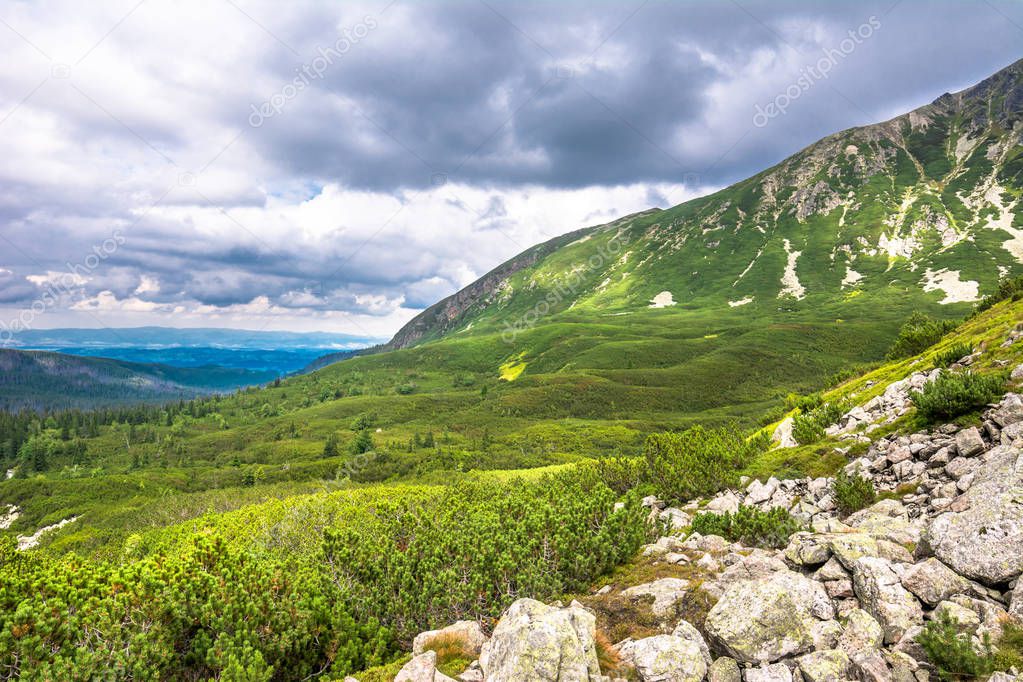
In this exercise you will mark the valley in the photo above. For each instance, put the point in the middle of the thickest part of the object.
(555, 431)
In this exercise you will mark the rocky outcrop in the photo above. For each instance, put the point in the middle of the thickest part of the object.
(467, 633)
(534, 642)
(762, 621)
(845, 599)
(984, 540)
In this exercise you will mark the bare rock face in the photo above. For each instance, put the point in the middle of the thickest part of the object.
(534, 642)
(985, 541)
(882, 595)
(764, 620)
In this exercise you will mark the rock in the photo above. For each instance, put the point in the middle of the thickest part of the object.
(992, 617)
(783, 434)
(1017, 373)
(537, 643)
(909, 646)
(724, 669)
(969, 442)
(1010, 410)
(861, 633)
(960, 466)
(832, 570)
(422, 668)
(759, 564)
(675, 518)
(467, 632)
(764, 620)
(1016, 601)
(839, 589)
(904, 666)
(967, 621)
(778, 672)
(933, 581)
(667, 592)
(883, 597)
(688, 632)
(985, 542)
(830, 665)
(726, 502)
(667, 658)
(757, 492)
(870, 666)
(471, 674)
(1003, 677)
(825, 634)
(808, 549)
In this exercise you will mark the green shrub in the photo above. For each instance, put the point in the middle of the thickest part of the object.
(698, 461)
(620, 474)
(750, 526)
(952, 653)
(475, 547)
(919, 333)
(954, 394)
(809, 427)
(1007, 289)
(853, 492)
(803, 403)
(952, 355)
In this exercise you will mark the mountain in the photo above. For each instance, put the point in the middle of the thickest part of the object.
(922, 206)
(50, 381)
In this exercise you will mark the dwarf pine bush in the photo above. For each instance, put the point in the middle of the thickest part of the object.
(698, 461)
(853, 492)
(750, 526)
(954, 394)
(919, 333)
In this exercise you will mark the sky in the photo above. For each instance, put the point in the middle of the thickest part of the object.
(340, 166)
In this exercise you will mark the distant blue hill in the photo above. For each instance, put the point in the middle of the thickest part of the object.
(274, 352)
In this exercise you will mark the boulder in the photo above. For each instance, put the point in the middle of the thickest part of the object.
(764, 620)
(882, 595)
(534, 642)
(759, 564)
(778, 672)
(933, 581)
(466, 632)
(969, 442)
(675, 518)
(726, 502)
(985, 540)
(1016, 601)
(861, 633)
(666, 593)
(869, 665)
(724, 669)
(687, 631)
(1010, 410)
(422, 668)
(830, 665)
(667, 658)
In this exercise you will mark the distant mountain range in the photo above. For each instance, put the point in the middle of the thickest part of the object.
(85, 368)
(40, 380)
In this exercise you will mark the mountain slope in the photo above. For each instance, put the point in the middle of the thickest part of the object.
(46, 381)
(924, 205)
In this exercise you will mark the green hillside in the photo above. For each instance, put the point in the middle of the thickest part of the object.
(37, 380)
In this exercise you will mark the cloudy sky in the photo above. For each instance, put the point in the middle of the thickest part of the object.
(340, 166)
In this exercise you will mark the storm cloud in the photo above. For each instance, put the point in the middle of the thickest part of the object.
(322, 165)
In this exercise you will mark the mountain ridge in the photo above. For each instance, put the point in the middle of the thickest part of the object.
(929, 157)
